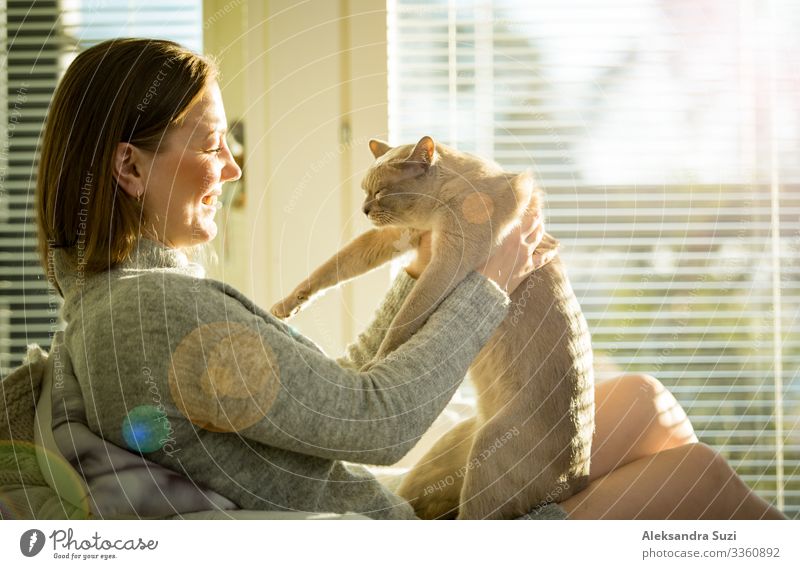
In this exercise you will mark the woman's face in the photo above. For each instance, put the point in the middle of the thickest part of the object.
(184, 179)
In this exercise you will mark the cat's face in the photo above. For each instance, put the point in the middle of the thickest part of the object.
(399, 190)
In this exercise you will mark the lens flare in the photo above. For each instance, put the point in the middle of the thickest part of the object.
(27, 487)
(145, 429)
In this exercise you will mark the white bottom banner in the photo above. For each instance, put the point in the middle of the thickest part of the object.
(401, 544)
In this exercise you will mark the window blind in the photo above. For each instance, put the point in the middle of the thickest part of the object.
(40, 38)
(665, 137)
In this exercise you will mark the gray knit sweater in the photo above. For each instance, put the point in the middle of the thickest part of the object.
(188, 371)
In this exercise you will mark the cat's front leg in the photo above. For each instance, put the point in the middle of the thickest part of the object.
(292, 304)
(444, 272)
(364, 253)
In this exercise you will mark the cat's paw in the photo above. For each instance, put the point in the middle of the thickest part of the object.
(289, 306)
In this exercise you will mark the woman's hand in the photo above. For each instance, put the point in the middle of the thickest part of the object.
(514, 259)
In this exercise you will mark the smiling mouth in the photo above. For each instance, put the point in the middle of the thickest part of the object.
(210, 199)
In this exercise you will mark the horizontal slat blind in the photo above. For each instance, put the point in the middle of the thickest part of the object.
(40, 39)
(28, 311)
(665, 136)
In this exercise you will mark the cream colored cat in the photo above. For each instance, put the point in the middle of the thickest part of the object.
(531, 439)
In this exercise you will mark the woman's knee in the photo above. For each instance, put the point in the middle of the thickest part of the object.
(634, 396)
(640, 386)
(651, 409)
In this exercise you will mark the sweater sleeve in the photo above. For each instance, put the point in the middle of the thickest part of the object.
(366, 345)
(237, 371)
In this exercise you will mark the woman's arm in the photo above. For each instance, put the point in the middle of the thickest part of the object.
(228, 361)
(366, 345)
(368, 342)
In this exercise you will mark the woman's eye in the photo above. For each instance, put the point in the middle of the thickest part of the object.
(215, 150)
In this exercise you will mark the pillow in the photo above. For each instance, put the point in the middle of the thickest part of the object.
(96, 476)
(24, 493)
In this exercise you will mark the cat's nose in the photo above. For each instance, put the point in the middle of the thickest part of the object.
(367, 207)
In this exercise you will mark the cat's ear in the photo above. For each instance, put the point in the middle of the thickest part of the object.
(378, 147)
(423, 153)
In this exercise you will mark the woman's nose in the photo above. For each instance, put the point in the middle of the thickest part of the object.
(231, 172)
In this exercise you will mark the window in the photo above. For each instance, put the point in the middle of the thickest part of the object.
(39, 40)
(665, 135)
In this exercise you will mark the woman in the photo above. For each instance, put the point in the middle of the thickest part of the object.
(133, 161)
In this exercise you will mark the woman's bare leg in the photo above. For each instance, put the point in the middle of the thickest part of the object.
(688, 482)
(635, 417)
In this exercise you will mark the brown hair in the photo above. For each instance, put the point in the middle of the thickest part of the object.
(121, 90)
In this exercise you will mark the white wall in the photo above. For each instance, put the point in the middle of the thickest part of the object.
(300, 72)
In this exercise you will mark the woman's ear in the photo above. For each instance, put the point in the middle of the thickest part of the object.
(128, 169)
